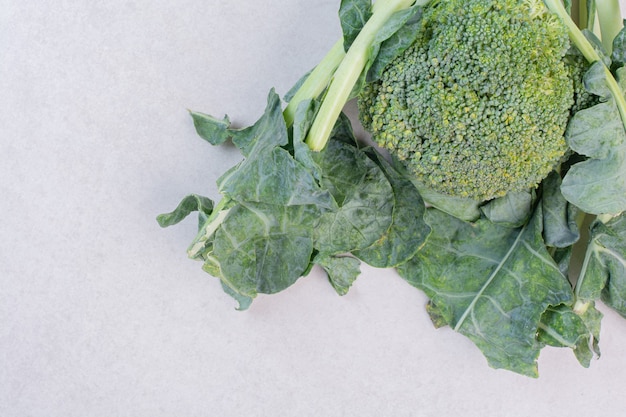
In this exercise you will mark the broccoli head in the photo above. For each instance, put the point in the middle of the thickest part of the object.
(477, 106)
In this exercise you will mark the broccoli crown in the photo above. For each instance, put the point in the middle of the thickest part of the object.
(477, 106)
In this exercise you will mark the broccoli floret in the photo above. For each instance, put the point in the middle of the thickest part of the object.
(477, 106)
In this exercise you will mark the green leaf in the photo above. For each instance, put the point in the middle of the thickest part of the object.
(597, 185)
(563, 258)
(269, 131)
(396, 36)
(364, 197)
(512, 210)
(242, 301)
(353, 14)
(189, 204)
(618, 55)
(604, 270)
(561, 327)
(342, 271)
(264, 248)
(559, 216)
(407, 232)
(462, 208)
(272, 176)
(303, 118)
(209, 128)
(490, 283)
(269, 173)
(591, 14)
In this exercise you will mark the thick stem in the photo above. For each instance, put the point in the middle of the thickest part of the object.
(316, 82)
(585, 47)
(349, 71)
(610, 18)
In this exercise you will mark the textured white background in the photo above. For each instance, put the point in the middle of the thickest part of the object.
(101, 313)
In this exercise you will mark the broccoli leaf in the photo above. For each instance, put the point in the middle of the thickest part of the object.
(597, 185)
(559, 216)
(209, 128)
(408, 230)
(604, 270)
(395, 38)
(490, 283)
(342, 271)
(243, 301)
(263, 248)
(189, 204)
(512, 210)
(561, 327)
(362, 192)
(353, 14)
(618, 55)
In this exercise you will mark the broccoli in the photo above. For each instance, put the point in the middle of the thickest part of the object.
(477, 99)
(477, 106)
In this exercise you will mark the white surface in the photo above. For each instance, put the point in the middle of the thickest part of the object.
(101, 313)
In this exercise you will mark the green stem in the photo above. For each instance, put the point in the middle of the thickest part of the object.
(610, 18)
(585, 47)
(349, 71)
(317, 81)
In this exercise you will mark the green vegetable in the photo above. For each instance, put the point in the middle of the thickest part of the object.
(477, 106)
(505, 126)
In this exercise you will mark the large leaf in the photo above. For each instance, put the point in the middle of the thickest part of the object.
(490, 283)
(407, 232)
(597, 185)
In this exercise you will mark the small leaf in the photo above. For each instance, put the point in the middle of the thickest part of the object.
(561, 327)
(269, 131)
(559, 216)
(209, 128)
(604, 273)
(394, 38)
(189, 204)
(512, 210)
(303, 119)
(618, 56)
(342, 271)
(243, 301)
(462, 208)
(353, 14)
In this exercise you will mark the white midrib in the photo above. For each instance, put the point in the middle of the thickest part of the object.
(493, 275)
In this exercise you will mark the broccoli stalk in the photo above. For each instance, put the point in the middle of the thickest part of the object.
(609, 26)
(350, 69)
(610, 18)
